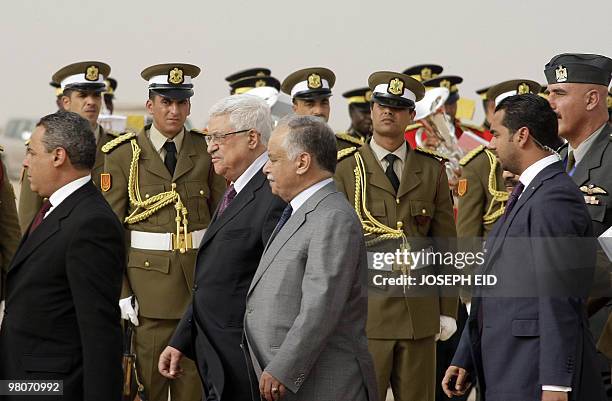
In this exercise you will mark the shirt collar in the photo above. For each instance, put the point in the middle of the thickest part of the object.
(530, 172)
(250, 172)
(61, 194)
(158, 139)
(584, 147)
(303, 196)
(381, 152)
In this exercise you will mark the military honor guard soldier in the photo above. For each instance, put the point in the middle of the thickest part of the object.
(359, 112)
(161, 184)
(578, 87)
(81, 85)
(236, 87)
(402, 193)
(9, 226)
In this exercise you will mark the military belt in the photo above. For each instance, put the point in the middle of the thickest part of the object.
(166, 241)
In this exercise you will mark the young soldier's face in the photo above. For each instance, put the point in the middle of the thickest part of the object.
(390, 121)
(169, 115)
(312, 107)
(85, 103)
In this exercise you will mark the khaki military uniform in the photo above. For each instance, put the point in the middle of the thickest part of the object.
(9, 225)
(481, 193)
(30, 202)
(344, 140)
(161, 280)
(401, 329)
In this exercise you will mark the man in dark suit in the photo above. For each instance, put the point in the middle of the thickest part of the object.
(528, 338)
(210, 332)
(63, 285)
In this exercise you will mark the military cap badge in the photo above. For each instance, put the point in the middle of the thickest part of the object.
(314, 81)
(92, 73)
(396, 87)
(175, 76)
(522, 89)
(426, 73)
(561, 74)
(368, 96)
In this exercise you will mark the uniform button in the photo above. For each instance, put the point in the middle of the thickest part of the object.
(147, 264)
(195, 287)
(147, 196)
(424, 211)
(397, 201)
(201, 192)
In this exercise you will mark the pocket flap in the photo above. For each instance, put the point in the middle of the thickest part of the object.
(421, 208)
(197, 189)
(525, 328)
(47, 363)
(147, 261)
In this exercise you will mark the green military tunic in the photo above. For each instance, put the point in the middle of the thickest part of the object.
(9, 225)
(30, 202)
(481, 193)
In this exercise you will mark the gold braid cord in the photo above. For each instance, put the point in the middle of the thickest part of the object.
(370, 225)
(500, 196)
(143, 209)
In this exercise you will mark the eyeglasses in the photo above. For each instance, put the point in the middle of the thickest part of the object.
(217, 138)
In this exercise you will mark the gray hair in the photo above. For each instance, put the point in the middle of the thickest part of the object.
(245, 112)
(73, 133)
(311, 135)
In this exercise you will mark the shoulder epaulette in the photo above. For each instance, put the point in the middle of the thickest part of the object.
(471, 125)
(472, 154)
(413, 126)
(346, 152)
(348, 138)
(431, 153)
(118, 141)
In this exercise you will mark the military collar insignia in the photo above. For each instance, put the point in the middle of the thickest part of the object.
(561, 74)
(314, 81)
(396, 87)
(92, 73)
(176, 76)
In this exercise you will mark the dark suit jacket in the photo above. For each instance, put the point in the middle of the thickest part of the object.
(62, 317)
(515, 343)
(211, 330)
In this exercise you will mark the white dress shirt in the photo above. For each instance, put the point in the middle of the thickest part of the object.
(303, 196)
(380, 153)
(250, 172)
(58, 196)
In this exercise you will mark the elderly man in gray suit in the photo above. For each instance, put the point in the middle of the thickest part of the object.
(307, 304)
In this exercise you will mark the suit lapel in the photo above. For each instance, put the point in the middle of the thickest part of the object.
(151, 160)
(376, 175)
(185, 163)
(542, 176)
(288, 231)
(49, 226)
(593, 157)
(236, 206)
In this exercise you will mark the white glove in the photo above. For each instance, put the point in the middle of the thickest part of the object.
(127, 311)
(448, 327)
(1, 312)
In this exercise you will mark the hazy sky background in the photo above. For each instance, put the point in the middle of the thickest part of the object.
(485, 41)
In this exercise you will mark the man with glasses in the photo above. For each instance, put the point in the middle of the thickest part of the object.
(161, 184)
(238, 132)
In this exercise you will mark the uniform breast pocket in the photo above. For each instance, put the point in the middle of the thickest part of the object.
(377, 208)
(198, 194)
(148, 191)
(597, 212)
(422, 213)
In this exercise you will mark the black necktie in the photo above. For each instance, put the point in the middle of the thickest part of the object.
(281, 222)
(390, 173)
(516, 192)
(170, 159)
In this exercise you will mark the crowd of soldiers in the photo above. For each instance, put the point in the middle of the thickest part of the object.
(161, 184)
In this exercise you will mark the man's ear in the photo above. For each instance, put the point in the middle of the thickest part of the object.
(303, 162)
(60, 157)
(592, 99)
(149, 106)
(254, 138)
(521, 136)
(65, 102)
